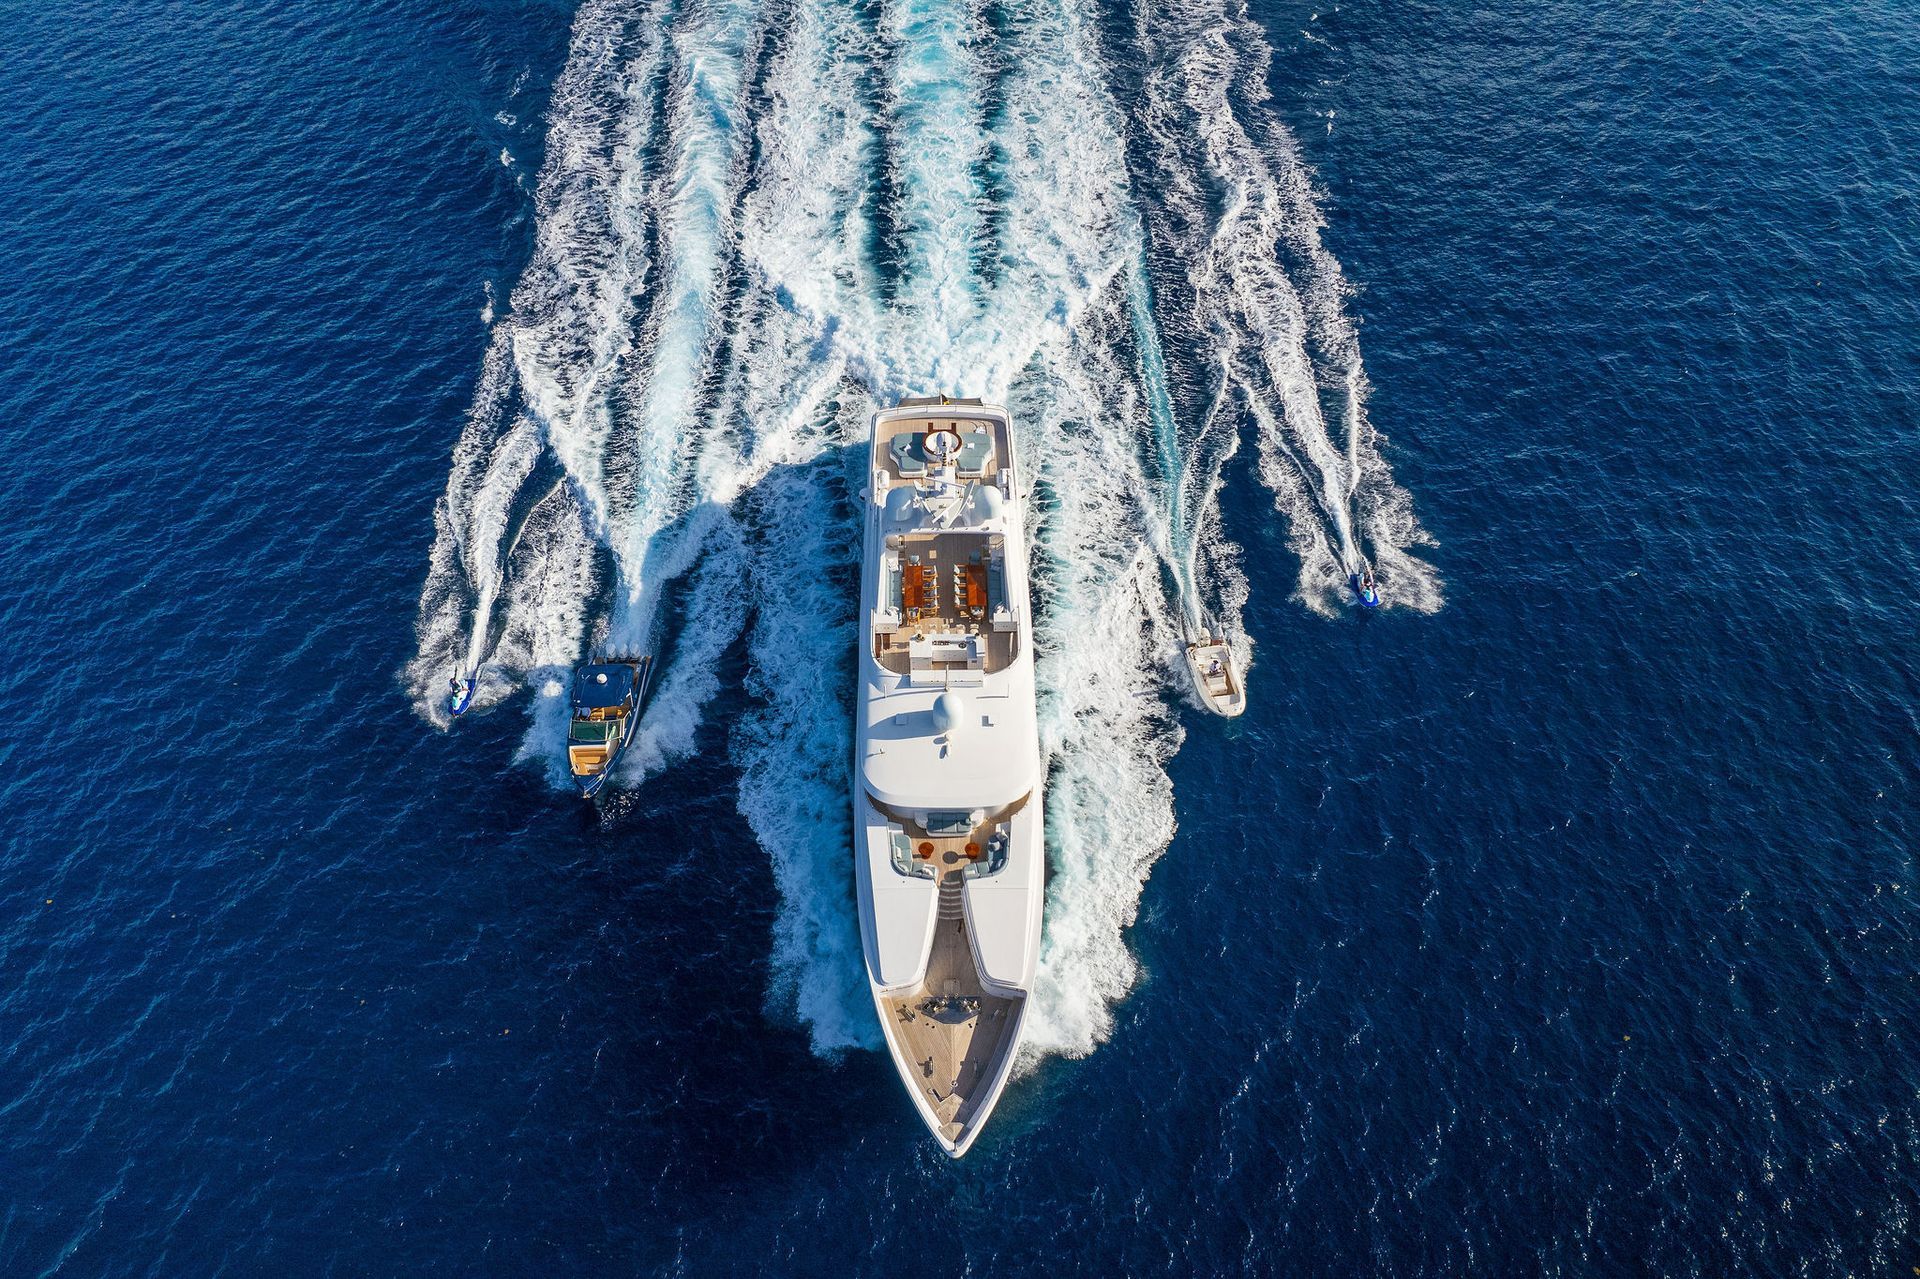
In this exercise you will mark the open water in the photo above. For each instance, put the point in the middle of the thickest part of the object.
(1559, 917)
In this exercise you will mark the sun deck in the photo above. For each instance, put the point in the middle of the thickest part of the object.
(900, 445)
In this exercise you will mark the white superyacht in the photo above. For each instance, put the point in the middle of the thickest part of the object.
(948, 857)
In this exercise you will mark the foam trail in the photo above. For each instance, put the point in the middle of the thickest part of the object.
(1073, 233)
(1069, 338)
(711, 622)
(553, 355)
(794, 748)
(696, 450)
(938, 146)
(775, 457)
(702, 334)
(552, 579)
(636, 417)
(512, 462)
(1175, 208)
(1102, 632)
(1049, 339)
(1174, 536)
(1272, 301)
(712, 57)
(787, 462)
(491, 460)
(573, 310)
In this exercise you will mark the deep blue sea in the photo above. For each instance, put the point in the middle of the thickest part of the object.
(1560, 917)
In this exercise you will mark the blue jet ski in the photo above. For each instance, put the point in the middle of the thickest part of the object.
(1362, 583)
(462, 694)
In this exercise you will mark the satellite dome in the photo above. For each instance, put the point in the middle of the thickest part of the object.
(988, 503)
(601, 678)
(900, 505)
(947, 710)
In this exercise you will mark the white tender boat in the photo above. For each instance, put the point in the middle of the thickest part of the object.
(949, 860)
(1216, 678)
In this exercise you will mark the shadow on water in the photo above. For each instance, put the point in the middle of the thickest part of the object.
(664, 902)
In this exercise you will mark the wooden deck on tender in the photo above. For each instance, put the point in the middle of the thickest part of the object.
(951, 1032)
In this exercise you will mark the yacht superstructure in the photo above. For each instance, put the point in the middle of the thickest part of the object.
(949, 859)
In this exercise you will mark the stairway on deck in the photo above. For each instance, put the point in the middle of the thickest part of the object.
(951, 906)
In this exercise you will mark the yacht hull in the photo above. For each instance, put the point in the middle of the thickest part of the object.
(949, 857)
(954, 1017)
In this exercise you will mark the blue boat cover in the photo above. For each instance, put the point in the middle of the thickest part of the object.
(590, 693)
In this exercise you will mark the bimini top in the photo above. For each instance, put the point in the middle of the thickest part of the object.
(597, 687)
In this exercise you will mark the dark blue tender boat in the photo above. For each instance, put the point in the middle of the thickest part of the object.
(607, 700)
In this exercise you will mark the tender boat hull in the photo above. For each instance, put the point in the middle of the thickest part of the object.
(1216, 679)
(608, 700)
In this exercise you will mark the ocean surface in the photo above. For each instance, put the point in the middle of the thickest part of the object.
(1559, 917)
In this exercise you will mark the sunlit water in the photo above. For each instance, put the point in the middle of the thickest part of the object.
(1557, 916)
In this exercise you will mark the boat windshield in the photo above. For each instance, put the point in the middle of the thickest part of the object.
(593, 730)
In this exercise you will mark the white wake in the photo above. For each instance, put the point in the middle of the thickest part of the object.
(757, 225)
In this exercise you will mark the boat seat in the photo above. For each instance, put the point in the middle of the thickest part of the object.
(997, 596)
(909, 454)
(902, 848)
(976, 451)
(892, 604)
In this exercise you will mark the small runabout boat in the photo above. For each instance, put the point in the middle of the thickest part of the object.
(949, 860)
(607, 700)
(1216, 678)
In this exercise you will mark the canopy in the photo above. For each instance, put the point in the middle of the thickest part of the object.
(600, 686)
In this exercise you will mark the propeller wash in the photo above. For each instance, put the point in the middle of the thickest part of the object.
(758, 223)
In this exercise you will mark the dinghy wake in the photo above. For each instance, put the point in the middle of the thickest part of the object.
(1270, 302)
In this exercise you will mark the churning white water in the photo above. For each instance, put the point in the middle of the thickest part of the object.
(757, 225)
